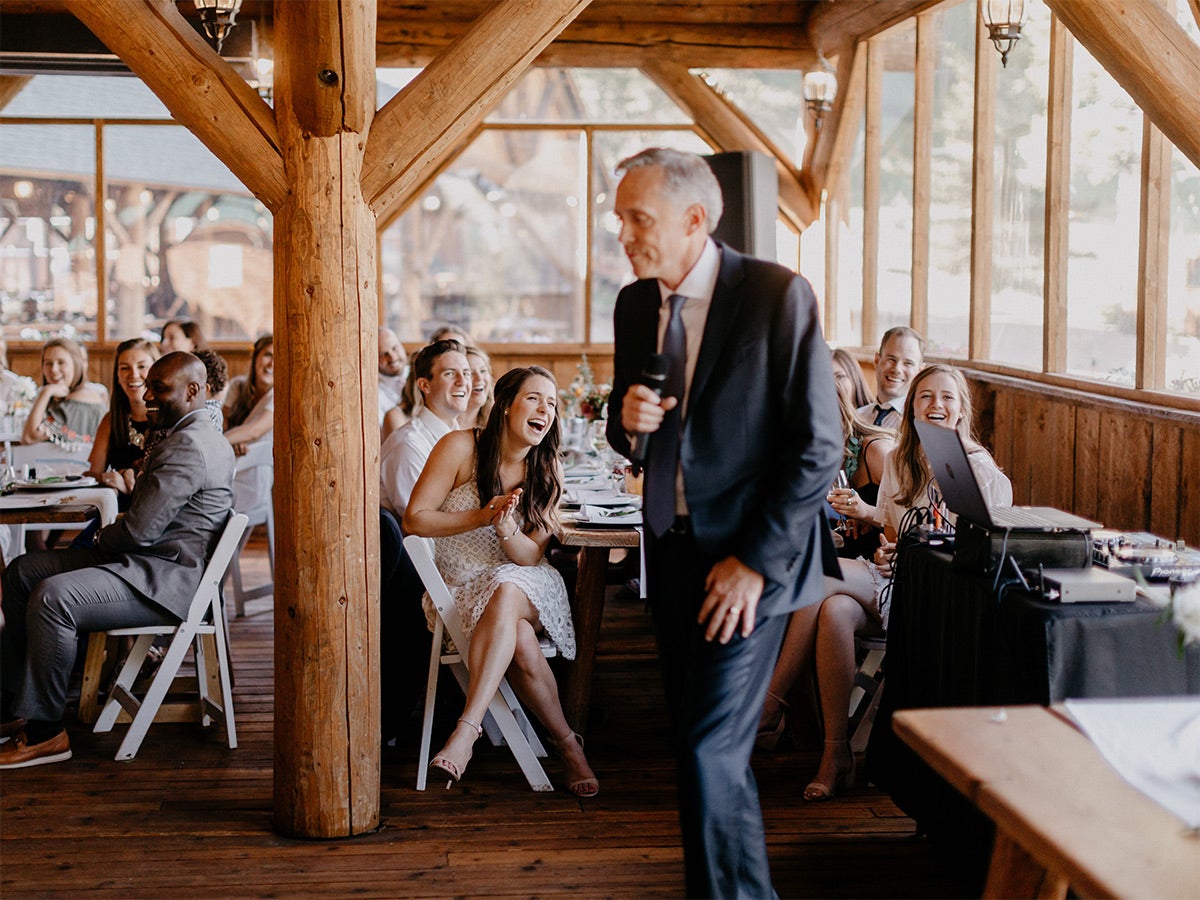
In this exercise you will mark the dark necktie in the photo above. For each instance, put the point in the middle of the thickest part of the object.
(881, 413)
(664, 446)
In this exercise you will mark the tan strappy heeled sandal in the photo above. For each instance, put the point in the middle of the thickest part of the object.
(584, 787)
(452, 768)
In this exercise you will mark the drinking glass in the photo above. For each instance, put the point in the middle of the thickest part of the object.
(841, 483)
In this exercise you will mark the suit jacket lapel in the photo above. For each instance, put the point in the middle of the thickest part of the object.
(721, 315)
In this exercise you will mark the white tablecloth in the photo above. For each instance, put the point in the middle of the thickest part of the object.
(12, 537)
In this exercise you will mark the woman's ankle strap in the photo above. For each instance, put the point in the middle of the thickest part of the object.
(478, 728)
(778, 700)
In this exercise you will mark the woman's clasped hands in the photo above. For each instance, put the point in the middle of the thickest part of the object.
(500, 513)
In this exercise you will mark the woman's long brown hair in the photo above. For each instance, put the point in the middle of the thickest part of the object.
(912, 469)
(543, 481)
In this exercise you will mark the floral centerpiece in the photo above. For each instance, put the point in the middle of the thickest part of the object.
(1183, 608)
(583, 397)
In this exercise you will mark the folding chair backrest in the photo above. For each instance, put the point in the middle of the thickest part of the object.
(209, 592)
(254, 480)
(420, 551)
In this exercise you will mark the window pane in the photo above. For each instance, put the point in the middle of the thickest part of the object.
(1183, 278)
(1106, 149)
(1019, 223)
(950, 173)
(184, 238)
(624, 96)
(772, 98)
(894, 301)
(87, 97)
(47, 231)
(496, 246)
(610, 269)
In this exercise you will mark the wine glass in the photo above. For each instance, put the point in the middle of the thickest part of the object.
(841, 483)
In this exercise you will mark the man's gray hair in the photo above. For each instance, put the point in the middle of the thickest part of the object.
(687, 179)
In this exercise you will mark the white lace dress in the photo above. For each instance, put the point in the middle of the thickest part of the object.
(474, 565)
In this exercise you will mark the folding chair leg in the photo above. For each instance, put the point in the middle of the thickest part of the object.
(527, 729)
(148, 708)
(120, 696)
(435, 664)
(225, 671)
(521, 751)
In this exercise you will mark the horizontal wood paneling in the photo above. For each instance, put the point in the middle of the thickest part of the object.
(1133, 467)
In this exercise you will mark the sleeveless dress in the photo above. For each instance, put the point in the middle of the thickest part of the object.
(473, 565)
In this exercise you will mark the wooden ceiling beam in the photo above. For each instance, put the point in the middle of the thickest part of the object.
(730, 129)
(411, 133)
(1149, 54)
(201, 90)
(411, 44)
(834, 27)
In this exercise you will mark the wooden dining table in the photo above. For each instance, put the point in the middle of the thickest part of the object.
(590, 584)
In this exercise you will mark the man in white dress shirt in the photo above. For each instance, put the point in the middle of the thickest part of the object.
(900, 357)
(443, 383)
(393, 371)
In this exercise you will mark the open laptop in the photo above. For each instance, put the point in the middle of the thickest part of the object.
(948, 458)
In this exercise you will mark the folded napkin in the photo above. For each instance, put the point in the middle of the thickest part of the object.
(603, 515)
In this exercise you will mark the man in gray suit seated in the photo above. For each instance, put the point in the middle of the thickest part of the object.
(143, 570)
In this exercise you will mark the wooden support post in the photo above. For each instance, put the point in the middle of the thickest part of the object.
(983, 191)
(1058, 199)
(1153, 253)
(326, 434)
(922, 167)
(871, 159)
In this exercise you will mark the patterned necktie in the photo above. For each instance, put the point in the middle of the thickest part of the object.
(664, 446)
(881, 413)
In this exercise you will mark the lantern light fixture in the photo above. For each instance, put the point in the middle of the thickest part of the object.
(218, 17)
(820, 89)
(1003, 19)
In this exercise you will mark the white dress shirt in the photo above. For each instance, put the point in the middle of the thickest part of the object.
(698, 287)
(894, 417)
(403, 456)
(390, 389)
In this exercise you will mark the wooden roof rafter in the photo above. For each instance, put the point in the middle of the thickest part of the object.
(1149, 54)
(469, 78)
(730, 129)
(202, 91)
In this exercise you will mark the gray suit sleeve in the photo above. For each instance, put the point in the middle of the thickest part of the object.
(174, 473)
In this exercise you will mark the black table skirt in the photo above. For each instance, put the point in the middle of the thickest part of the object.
(956, 639)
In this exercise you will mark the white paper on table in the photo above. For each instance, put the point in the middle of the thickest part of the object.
(1153, 743)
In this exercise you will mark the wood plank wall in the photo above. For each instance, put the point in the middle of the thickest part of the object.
(1132, 466)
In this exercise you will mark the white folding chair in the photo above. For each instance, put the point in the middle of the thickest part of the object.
(505, 714)
(868, 684)
(204, 627)
(253, 484)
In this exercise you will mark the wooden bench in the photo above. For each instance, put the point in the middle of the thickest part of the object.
(1064, 817)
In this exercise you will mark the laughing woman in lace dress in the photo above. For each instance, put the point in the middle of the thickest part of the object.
(488, 498)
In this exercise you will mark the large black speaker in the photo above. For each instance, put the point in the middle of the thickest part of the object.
(750, 184)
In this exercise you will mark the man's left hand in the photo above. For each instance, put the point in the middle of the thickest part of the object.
(734, 590)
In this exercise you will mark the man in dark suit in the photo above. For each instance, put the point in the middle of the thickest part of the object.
(743, 447)
(143, 570)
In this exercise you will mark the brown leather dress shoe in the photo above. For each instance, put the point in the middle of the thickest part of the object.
(20, 754)
(11, 727)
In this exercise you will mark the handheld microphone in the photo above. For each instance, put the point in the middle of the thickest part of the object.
(654, 377)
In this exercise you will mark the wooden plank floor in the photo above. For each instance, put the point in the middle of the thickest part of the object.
(191, 818)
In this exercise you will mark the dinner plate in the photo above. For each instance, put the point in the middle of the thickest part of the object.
(598, 515)
(608, 497)
(62, 484)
